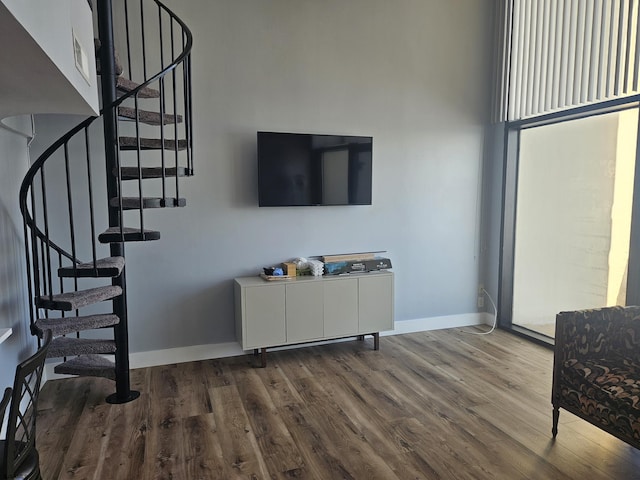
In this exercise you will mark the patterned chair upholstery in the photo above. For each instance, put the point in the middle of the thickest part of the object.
(596, 373)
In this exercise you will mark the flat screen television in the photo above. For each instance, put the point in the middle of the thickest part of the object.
(297, 169)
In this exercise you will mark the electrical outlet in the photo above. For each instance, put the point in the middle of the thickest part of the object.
(480, 295)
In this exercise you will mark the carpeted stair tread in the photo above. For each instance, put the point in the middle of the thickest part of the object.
(131, 143)
(131, 203)
(70, 346)
(128, 235)
(125, 85)
(150, 118)
(132, 173)
(78, 299)
(104, 267)
(88, 366)
(63, 326)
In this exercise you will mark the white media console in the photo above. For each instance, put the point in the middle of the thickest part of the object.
(308, 309)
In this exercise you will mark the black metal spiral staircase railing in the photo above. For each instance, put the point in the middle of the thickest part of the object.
(102, 175)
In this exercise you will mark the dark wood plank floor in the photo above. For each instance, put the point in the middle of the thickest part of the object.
(433, 405)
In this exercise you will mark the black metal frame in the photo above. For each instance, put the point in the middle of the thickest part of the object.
(511, 152)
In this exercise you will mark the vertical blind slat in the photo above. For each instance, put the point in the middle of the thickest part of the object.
(538, 52)
(589, 69)
(573, 40)
(525, 12)
(604, 35)
(611, 61)
(513, 39)
(636, 65)
(551, 56)
(545, 57)
(628, 47)
(577, 58)
(514, 83)
(619, 61)
(564, 66)
(529, 65)
(557, 58)
(506, 59)
(502, 45)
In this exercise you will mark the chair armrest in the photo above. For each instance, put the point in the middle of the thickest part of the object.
(3, 404)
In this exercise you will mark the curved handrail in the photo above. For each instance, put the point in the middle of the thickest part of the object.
(27, 181)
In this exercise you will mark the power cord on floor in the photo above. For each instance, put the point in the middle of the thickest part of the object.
(495, 315)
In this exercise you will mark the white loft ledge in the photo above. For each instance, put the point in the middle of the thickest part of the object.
(5, 333)
(39, 73)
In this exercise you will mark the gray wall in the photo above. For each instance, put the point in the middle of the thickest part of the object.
(491, 213)
(413, 74)
(13, 297)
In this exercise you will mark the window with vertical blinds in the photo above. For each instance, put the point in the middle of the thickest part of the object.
(559, 54)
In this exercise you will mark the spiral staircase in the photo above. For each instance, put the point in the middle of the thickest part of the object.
(102, 176)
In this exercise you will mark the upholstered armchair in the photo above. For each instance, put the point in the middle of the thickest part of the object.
(596, 373)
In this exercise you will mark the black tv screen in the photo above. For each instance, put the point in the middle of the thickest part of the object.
(296, 169)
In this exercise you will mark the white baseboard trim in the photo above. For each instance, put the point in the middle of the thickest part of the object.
(194, 353)
(184, 354)
(438, 323)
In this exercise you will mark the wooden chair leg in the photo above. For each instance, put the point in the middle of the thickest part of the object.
(556, 416)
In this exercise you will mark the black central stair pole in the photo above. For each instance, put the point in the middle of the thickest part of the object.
(108, 83)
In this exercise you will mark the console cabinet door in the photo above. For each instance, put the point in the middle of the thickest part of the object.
(340, 307)
(264, 316)
(304, 309)
(375, 296)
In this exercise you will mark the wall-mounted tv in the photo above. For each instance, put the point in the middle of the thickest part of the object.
(297, 169)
